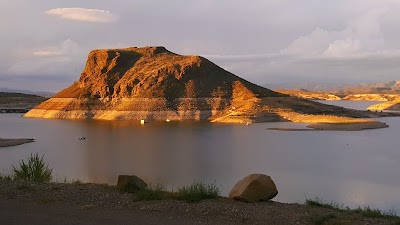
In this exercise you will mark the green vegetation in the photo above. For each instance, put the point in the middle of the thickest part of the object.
(156, 192)
(322, 204)
(34, 170)
(5, 177)
(198, 191)
(192, 193)
(375, 213)
(365, 212)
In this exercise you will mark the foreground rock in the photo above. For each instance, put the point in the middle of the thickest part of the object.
(130, 183)
(152, 83)
(254, 188)
(14, 142)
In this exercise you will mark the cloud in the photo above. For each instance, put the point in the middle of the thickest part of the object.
(343, 48)
(361, 37)
(67, 47)
(82, 14)
(47, 52)
(65, 59)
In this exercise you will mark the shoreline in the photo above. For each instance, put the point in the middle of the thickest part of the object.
(351, 126)
(86, 199)
(7, 142)
(338, 126)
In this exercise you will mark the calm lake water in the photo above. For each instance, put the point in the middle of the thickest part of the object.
(351, 167)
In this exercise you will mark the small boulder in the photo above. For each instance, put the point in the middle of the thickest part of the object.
(254, 188)
(130, 183)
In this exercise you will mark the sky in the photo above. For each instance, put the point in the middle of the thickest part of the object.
(44, 44)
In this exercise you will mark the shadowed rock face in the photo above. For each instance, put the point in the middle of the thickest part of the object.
(154, 84)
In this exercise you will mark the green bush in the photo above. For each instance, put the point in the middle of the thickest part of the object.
(34, 170)
(198, 191)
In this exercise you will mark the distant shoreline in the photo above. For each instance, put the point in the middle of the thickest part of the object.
(14, 142)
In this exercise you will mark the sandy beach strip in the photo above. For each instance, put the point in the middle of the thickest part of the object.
(349, 126)
(13, 142)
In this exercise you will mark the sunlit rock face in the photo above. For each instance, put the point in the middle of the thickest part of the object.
(152, 83)
(149, 83)
(390, 105)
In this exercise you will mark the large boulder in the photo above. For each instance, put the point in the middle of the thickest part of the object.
(254, 188)
(130, 183)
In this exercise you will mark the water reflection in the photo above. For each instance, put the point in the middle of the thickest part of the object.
(354, 168)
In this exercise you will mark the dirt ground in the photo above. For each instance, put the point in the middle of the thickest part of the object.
(66, 203)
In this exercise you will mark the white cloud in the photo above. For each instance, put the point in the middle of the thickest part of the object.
(47, 52)
(82, 14)
(343, 48)
(67, 47)
(66, 58)
(361, 37)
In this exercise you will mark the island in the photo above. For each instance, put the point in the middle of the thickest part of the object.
(152, 83)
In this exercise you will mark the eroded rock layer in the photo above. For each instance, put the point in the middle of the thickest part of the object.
(153, 83)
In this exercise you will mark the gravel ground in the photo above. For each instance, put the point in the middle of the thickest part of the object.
(60, 203)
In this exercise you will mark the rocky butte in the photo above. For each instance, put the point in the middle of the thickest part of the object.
(152, 83)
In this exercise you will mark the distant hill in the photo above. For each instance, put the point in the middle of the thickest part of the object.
(11, 94)
(18, 102)
(391, 87)
(39, 93)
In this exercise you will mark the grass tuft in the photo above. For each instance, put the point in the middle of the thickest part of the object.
(156, 192)
(375, 213)
(365, 212)
(5, 177)
(198, 191)
(34, 170)
(322, 204)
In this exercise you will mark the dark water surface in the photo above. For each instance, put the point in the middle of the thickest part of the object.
(351, 167)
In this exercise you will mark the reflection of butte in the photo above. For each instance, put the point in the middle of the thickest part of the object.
(123, 148)
(214, 152)
(99, 148)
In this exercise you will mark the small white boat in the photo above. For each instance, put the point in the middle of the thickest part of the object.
(142, 121)
(168, 120)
